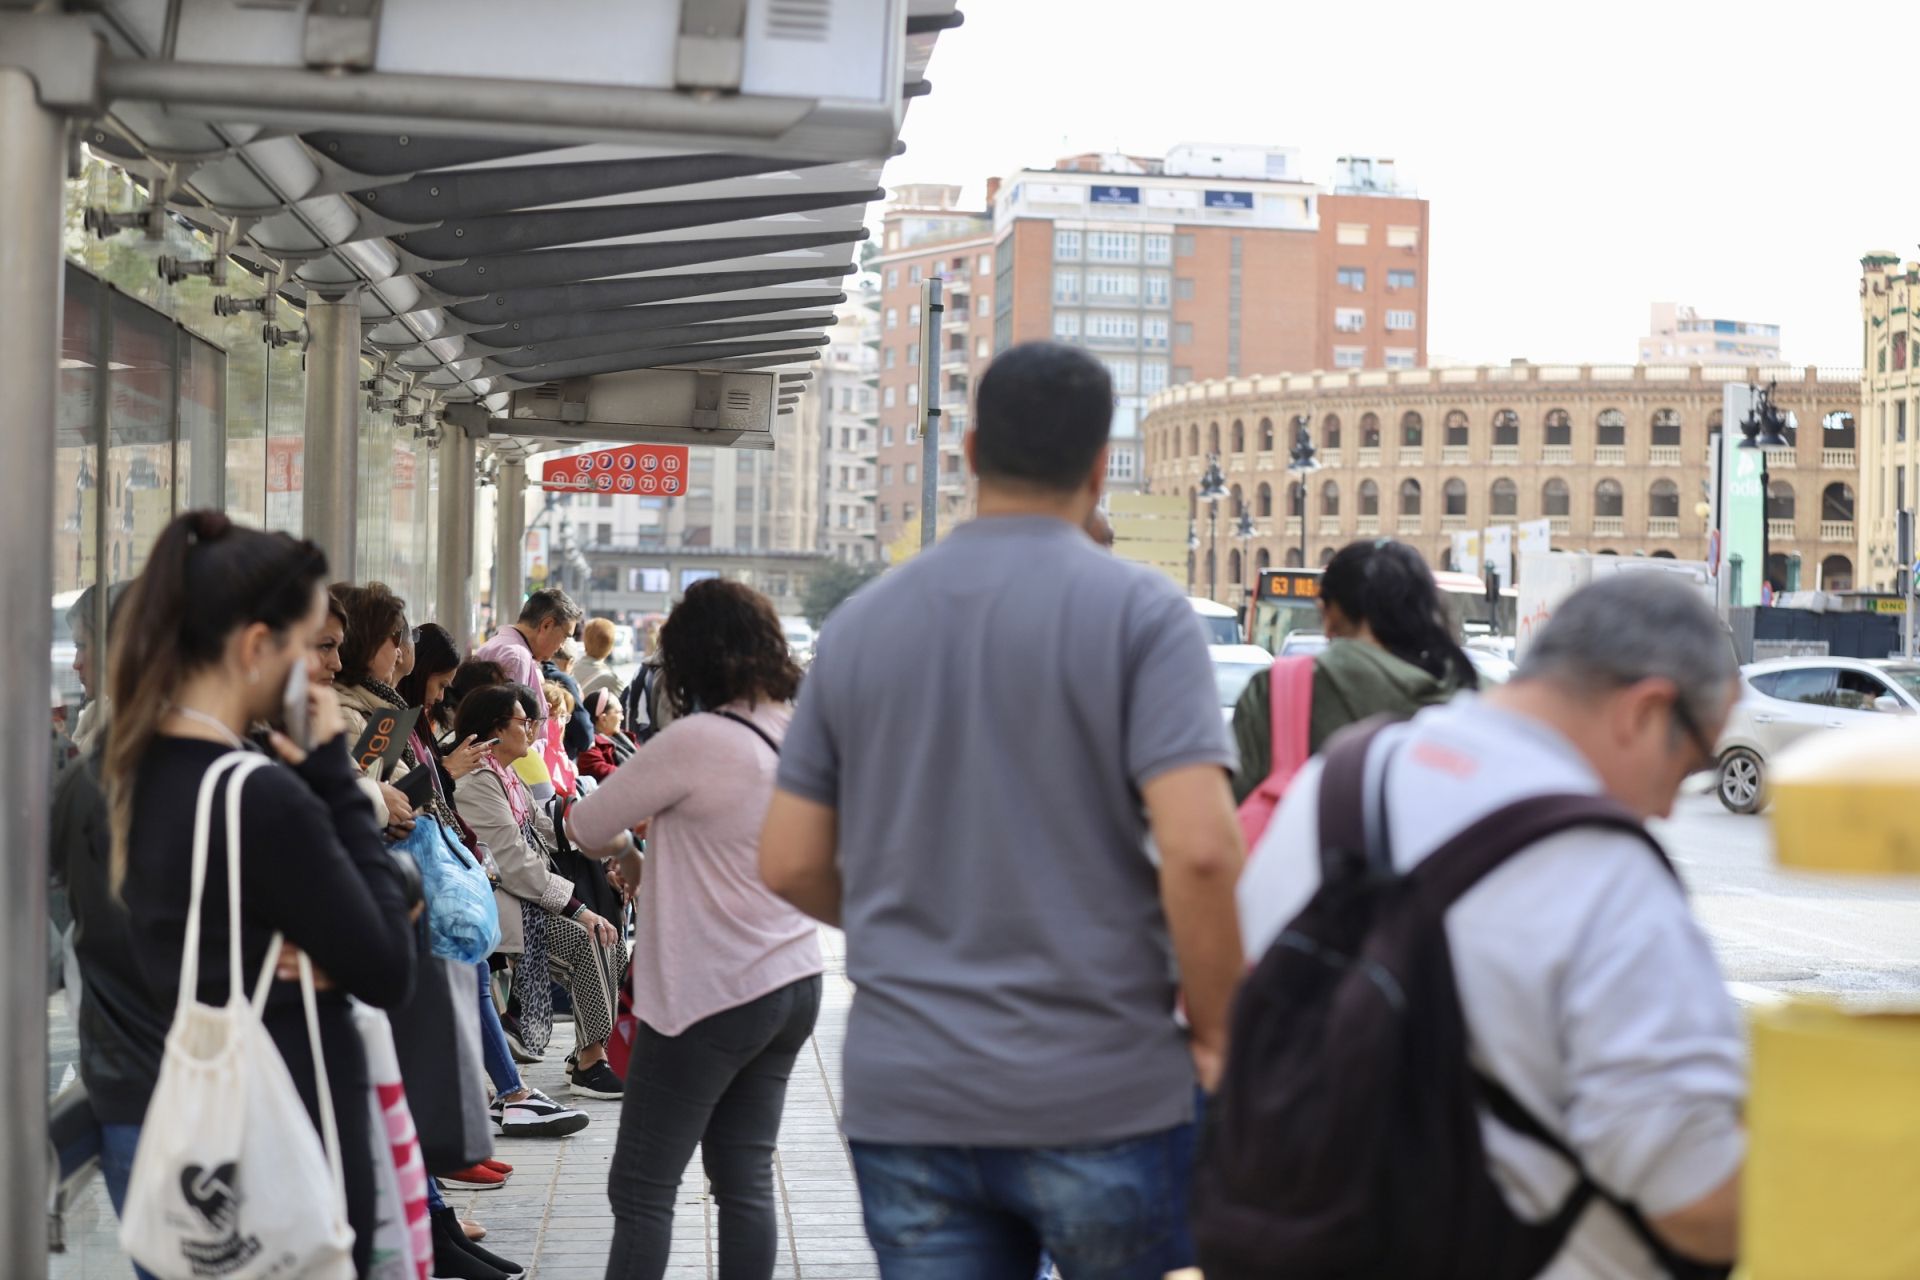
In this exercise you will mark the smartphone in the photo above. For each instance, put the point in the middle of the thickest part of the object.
(294, 709)
(417, 787)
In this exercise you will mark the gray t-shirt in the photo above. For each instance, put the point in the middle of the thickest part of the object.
(983, 719)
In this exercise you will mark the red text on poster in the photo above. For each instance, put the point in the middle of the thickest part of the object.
(639, 470)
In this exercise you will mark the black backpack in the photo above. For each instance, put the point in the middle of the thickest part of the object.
(1345, 1140)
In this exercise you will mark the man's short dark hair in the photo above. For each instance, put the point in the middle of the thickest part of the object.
(1042, 416)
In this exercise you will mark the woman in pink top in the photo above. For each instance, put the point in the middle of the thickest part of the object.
(726, 976)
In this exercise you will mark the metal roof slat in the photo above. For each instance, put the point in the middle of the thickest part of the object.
(479, 276)
(654, 359)
(606, 295)
(437, 195)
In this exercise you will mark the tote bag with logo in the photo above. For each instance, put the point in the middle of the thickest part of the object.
(231, 1182)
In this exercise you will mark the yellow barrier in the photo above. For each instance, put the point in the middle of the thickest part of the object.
(1832, 1184)
(1850, 801)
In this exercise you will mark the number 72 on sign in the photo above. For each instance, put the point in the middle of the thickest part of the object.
(640, 471)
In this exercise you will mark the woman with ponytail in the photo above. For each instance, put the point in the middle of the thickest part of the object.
(214, 634)
(1391, 652)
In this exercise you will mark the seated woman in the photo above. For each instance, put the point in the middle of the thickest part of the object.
(543, 923)
(611, 746)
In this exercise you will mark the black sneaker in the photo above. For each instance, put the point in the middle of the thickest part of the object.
(513, 1270)
(536, 1116)
(597, 1081)
(451, 1260)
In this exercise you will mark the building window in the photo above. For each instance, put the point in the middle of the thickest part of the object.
(1183, 333)
(1113, 284)
(1413, 429)
(888, 357)
(1183, 289)
(886, 437)
(893, 277)
(1066, 245)
(913, 274)
(1505, 498)
(913, 353)
(1555, 498)
(1183, 245)
(881, 512)
(1124, 374)
(1354, 278)
(1066, 325)
(1663, 501)
(1156, 283)
(1400, 321)
(986, 269)
(913, 314)
(1369, 498)
(1409, 497)
(1114, 246)
(912, 473)
(1330, 498)
(1899, 421)
(1120, 464)
(886, 473)
(1403, 237)
(1122, 325)
(906, 513)
(1666, 429)
(1559, 427)
(1349, 357)
(1400, 358)
(1506, 429)
(1402, 280)
(1456, 429)
(1610, 429)
(1455, 498)
(1330, 431)
(893, 318)
(1153, 332)
(1609, 501)
(913, 393)
(1349, 319)
(1066, 286)
(1350, 233)
(1153, 376)
(1159, 248)
(887, 398)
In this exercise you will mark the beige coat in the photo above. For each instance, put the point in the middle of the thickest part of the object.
(525, 873)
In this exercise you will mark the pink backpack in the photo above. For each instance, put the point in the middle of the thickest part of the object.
(1290, 702)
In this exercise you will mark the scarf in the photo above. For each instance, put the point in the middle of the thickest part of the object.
(517, 798)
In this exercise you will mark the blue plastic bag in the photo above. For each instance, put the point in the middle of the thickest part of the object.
(462, 921)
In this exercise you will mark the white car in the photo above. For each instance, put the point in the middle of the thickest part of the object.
(1221, 624)
(1234, 667)
(800, 638)
(1788, 698)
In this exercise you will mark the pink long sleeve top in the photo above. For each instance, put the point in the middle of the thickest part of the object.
(710, 936)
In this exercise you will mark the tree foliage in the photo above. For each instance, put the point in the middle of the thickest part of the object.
(831, 585)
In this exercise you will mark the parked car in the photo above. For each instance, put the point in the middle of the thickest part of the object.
(1788, 698)
(1303, 644)
(800, 638)
(1234, 666)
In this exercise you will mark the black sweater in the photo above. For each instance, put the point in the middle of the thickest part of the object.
(312, 866)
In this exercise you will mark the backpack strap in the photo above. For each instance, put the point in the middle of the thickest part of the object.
(1343, 792)
(1459, 864)
(763, 735)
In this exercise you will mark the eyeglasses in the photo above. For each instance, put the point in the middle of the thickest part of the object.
(530, 724)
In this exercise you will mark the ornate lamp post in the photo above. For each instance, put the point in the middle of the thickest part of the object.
(1302, 463)
(1764, 428)
(1243, 529)
(1213, 487)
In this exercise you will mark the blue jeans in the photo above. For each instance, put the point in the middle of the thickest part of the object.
(117, 1145)
(494, 1050)
(1112, 1212)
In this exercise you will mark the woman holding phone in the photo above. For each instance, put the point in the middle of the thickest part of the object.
(220, 618)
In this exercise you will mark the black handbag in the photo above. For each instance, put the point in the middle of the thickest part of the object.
(436, 1036)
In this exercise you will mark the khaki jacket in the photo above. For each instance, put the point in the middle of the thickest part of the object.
(525, 873)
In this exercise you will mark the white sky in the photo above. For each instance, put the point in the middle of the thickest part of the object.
(1581, 161)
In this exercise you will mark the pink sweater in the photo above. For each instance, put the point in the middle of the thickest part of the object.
(711, 936)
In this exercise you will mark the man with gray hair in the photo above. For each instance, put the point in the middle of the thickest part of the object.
(547, 620)
(1588, 989)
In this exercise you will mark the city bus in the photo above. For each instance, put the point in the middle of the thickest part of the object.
(1287, 601)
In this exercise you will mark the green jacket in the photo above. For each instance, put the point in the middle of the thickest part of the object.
(1352, 681)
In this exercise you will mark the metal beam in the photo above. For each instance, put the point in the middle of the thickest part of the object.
(453, 593)
(510, 530)
(32, 166)
(329, 502)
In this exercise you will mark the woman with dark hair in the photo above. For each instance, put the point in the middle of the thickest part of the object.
(1391, 651)
(474, 673)
(218, 620)
(726, 976)
(543, 921)
(611, 746)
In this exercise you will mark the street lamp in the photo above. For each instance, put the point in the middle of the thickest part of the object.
(1243, 529)
(1302, 463)
(1764, 429)
(1213, 487)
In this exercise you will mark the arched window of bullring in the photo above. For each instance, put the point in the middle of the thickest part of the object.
(1610, 428)
(1838, 433)
(1236, 502)
(1456, 498)
(1609, 500)
(1504, 498)
(1559, 428)
(1369, 498)
(1836, 503)
(1663, 500)
(1457, 429)
(1239, 438)
(1330, 431)
(1213, 438)
(1666, 429)
(1555, 498)
(1265, 499)
(1369, 431)
(1293, 558)
(1506, 428)
(1326, 556)
(1233, 567)
(1409, 497)
(1413, 429)
(1781, 504)
(1263, 559)
(1193, 441)
(1330, 498)
(1266, 435)
(1836, 574)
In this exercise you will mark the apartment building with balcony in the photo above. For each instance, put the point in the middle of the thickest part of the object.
(1889, 412)
(1616, 456)
(844, 410)
(1209, 262)
(1678, 334)
(926, 234)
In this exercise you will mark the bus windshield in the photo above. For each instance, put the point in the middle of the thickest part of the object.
(1286, 601)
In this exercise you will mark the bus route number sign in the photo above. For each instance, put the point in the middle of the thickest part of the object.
(1289, 586)
(643, 471)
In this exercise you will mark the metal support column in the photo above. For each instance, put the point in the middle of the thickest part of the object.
(510, 525)
(931, 357)
(453, 593)
(32, 166)
(330, 501)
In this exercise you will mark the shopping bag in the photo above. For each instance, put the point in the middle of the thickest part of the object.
(436, 1037)
(230, 1179)
(463, 923)
(1832, 1181)
(1290, 703)
(403, 1236)
(626, 1025)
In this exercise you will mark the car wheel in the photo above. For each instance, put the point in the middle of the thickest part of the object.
(1742, 781)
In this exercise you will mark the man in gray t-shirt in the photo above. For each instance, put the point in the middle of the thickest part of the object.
(966, 789)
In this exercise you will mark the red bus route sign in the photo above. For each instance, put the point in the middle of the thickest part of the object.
(633, 471)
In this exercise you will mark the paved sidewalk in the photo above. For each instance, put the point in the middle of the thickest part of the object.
(553, 1217)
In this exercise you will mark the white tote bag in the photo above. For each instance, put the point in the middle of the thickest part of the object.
(230, 1181)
